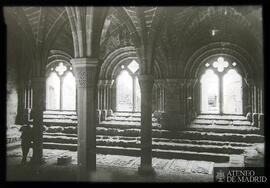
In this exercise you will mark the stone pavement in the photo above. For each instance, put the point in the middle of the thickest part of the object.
(111, 168)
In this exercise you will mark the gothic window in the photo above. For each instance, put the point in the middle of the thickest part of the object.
(53, 92)
(210, 92)
(60, 88)
(128, 94)
(221, 88)
(232, 92)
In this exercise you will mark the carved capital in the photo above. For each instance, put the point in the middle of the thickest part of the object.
(160, 83)
(99, 83)
(109, 83)
(191, 82)
(249, 82)
(85, 71)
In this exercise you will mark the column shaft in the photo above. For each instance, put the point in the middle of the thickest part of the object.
(146, 84)
(85, 70)
(38, 84)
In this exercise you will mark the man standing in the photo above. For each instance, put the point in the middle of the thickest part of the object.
(26, 141)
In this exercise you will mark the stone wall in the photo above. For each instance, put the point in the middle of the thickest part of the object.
(12, 92)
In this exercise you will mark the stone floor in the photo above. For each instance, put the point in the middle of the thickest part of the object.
(110, 168)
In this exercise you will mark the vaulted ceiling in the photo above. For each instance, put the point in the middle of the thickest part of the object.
(179, 31)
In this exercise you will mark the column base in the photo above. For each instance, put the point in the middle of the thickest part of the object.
(98, 116)
(109, 112)
(37, 162)
(103, 115)
(146, 171)
(255, 117)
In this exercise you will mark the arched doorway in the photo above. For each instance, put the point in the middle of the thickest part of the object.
(128, 94)
(60, 87)
(221, 88)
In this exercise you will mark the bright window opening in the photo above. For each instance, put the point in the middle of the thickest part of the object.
(128, 93)
(60, 88)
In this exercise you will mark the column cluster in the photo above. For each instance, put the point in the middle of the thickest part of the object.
(255, 103)
(105, 99)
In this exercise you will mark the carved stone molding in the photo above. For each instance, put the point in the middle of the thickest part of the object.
(85, 70)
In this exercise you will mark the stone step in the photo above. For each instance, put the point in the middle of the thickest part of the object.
(67, 118)
(53, 112)
(160, 153)
(59, 115)
(127, 114)
(203, 142)
(112, 124)
(221, 117)
(126, 119)
(188, 141)
(156, 133)
(222, 122)
(225, 128)
(196, 135)
(13, 145)
(233, 137)
(61, 129)
(155, 145)
(60, 134)
(125, 125)
(63, 123)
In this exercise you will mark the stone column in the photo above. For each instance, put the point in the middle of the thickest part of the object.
(254, 99)
(104, 102)
(155, 100)
(159, 114)
(162, 93)
(262, 99)
(248, 105)
(99, 108)
(255, 119)
(189, 99)
(158, 84)
(28, 104)
(261, 123)
(21, 116)
(85, 70)
(146, 84)
(195, 100)
(38, 84)
(109, 97)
